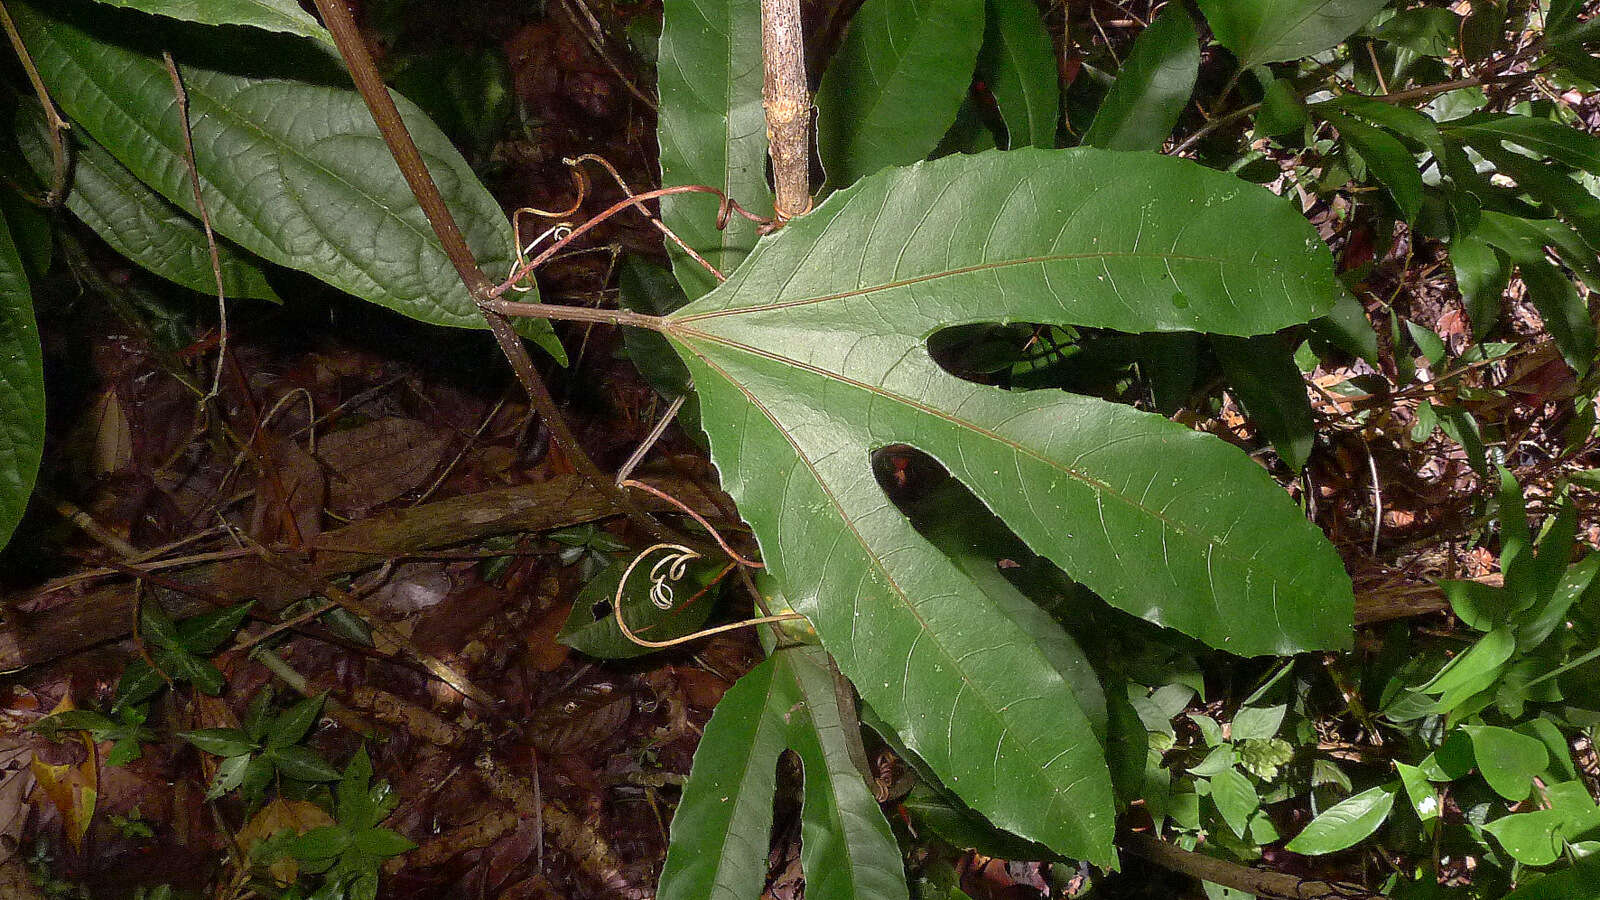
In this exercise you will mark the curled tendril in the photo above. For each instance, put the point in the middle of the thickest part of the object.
(669, 568)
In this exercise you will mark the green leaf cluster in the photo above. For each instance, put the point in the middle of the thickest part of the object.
(266, 745)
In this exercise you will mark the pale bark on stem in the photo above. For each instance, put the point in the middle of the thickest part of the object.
(787, 102)
(1257, 882)
(353, 48)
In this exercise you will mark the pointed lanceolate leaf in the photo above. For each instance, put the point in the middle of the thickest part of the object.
(1152, 87)
(712, 129)
(1018, 62)
(21, 388)
(138, 222)
(292, 170)
(892, 89)
(720, 831)
(1262, 31)
(271, 15)
(846, 848)
(814, 354)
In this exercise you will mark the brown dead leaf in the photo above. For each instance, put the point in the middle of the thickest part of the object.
(298, 816)
(289, 499)
(377, 462)
(72, 788)
(701, 688)
(545, 653)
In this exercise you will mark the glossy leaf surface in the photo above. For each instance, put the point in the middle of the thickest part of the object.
(272, 15)
(720, 832)
(893, 87)
(1018, 62)
(1261, 31)
(814, 354)
(292, 170)
(21, 388)
(1152, 87)
(140, 223)
(1345, 823)
(712, 129)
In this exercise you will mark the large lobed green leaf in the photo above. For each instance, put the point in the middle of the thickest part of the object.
(712, 129)
(894, 86)
(292, 170)
(813, 355)
(720, 831)
(272, 15)
(138, 222)
(21, 388)
(1263, 31)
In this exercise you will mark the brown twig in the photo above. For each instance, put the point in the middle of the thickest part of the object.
(57, 126)
(387, 117)
(182, 97)
(788, 106)
(1256, 882)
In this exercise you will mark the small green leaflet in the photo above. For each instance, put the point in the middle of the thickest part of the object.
(21, 388)
(720, 831)
(813, 354)
(1262, 31)
(1346, 823)
(271, 15)
(1018, 61)
(894, 86)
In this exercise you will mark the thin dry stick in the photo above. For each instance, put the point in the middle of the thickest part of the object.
(637, 456)
(52, 117)
(182, 97)
(387, 117)
(681, 556)
(788, 106)
(595, 35)
(699, 519)
(1257, 882)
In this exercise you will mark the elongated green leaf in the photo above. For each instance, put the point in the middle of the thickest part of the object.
(1562, 310)
(1482, 273)
(1152, 87)
(712, 129)
(271, 15)
(1346, 822)
(21, 388)
(814, 354)
(1537, 838)
(220, 741)
(1542, 137)
(1388, 159)
(1018, 62)
(1263, 375)
(846, 848)
(894, 86)
(720, 831)
(138, 222)
(1261, 31)
(293, 171)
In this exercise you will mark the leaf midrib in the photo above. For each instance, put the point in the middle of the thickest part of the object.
(934, 276)
(1088, 480)
(905, 599)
